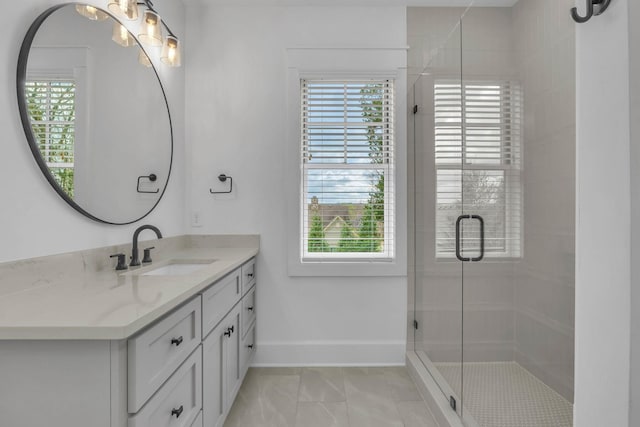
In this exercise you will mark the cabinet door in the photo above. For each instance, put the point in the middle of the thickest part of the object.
(221, 369)
(232, 356)
(213, 377)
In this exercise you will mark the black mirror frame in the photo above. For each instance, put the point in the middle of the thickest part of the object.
(26, 122)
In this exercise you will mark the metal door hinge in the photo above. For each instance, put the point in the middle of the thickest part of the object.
(415, 109)
(415, 324)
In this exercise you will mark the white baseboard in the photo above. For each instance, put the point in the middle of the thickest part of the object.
(330, 353)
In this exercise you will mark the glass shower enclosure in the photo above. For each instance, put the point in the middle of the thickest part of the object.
(493, 170)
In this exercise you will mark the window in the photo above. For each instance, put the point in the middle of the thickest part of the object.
(51, 105)
(480, 173)
(347, 170)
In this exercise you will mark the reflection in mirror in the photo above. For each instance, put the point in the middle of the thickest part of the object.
(97, 121)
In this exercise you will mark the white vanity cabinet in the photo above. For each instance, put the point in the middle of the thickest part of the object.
(224, 357)
(182, 370)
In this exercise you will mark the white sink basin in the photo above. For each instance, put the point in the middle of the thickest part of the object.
(178, 268)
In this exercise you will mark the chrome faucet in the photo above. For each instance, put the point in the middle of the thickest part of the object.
(135, 260)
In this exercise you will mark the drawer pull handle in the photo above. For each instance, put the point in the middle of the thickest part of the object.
(250, 346)
(250, 274)
(250, 308)
(176, 341)
(177, 412)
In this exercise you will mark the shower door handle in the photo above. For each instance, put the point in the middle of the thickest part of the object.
(458, 222)
(479, 218)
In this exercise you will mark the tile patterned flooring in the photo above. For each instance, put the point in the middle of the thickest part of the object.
(504, 394)
(329, 397)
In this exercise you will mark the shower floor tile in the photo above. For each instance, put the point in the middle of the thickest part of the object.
(504, 394)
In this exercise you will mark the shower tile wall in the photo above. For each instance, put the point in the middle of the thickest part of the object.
(545, 293)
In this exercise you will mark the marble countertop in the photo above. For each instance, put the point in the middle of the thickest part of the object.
(71, 296)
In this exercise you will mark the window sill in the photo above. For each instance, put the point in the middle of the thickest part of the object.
(343, 268)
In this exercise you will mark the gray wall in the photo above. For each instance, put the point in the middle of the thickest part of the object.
(634, 70)
(544, 285)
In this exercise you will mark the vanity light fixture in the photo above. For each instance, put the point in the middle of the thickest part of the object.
(150, 34)
(125, 9)
(122, 36)
(151, 29)
(91, 13)
(171, 51)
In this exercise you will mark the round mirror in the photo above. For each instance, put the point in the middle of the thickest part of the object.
(95, 113)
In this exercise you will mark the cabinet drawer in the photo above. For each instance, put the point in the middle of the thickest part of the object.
(157, 352)
(247, 349)
(248, 275)
(218, 300)
(248, 310)
(179, 400)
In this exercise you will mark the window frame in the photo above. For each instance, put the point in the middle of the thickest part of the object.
(316, 63)
(387, 168)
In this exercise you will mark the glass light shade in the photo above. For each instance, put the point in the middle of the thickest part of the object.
(171, 52)
(143, 58)
(151, 29)
(126, 9)
(122, 36)
(90, 12)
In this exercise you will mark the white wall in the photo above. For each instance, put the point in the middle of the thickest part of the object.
(603, 221)
(237, 124)
(34, 220)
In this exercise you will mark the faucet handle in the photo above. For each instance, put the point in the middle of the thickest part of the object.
(122, 264)
(147, 255)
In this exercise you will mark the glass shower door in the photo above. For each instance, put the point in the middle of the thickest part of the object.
(438, 205)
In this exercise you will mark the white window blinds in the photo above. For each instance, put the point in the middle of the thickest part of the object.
(479, 174)
(51, 106)
(347, 170)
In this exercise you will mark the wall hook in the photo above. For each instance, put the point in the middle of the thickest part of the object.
(594, 8)
(151, 177)
(223, 178)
